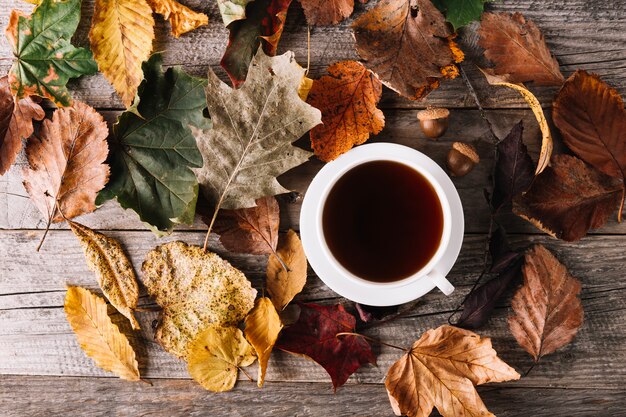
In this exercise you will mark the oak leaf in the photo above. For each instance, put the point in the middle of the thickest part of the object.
(283, 284)
(153, 148)
(592, 120)
(262, 328)
(347, 99)
(262, 27)
(461, 12)
(326, 12)
(250, 143)
(16, 123)
(44, 57)
(181, 17)
(518, 49)
(314, 336)
(251, 230)
(216, 355)
(232, 10)
(195, 288)
(441, 369)
(569, 198)
(98, 336)
(547, 309)
(408, 45)
(113, 269)
(66, 163)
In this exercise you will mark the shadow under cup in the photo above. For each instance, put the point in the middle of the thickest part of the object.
(383, 221)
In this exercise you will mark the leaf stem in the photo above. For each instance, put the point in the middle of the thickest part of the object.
(308, 50)
(371, 339)
(245, 373)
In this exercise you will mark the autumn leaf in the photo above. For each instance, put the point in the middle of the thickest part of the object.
(500, 251)
(546, 137)
(113, 269)
(153, 148)
(195, 288)
(547, 309)
(410, 52)
(284, 284)
(569, 198)
(518, 49)
(326, 12)
(262, 328)
(314, 336)
(16, 123)
(98, 336)
(250, 143)
(232, 10)
(263, 26)
(461, 12)
(66, 163)
(441, 369)
(592, 120)
(181, 17)
(44, 57)
(347, 99)
(251, 230)
(216, 355)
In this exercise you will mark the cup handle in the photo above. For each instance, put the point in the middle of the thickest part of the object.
(440, 281)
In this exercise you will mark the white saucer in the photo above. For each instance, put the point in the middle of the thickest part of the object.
(310, 220)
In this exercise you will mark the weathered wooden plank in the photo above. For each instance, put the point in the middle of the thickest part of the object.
(56, 396)
(581, 33)
(36, 340)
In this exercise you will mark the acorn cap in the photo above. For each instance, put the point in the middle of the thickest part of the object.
(467, 150)
(433, 113)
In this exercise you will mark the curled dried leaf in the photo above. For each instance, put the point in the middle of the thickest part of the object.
(181, 17)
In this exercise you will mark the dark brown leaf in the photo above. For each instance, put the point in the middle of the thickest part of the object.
(326, 12)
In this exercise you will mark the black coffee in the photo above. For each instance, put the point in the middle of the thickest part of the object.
(382, 221)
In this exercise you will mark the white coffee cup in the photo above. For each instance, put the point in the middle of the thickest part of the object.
(356, 288)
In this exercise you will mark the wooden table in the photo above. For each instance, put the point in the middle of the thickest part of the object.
(44, 372)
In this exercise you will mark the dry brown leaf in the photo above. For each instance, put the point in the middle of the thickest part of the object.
(113, 269)
(181, 17)
(347, 99)
(283, 285)
(518, 49)
(262, 328)
(441, 369)
(16, 123)
(216, 355)
(547, 310)
(98, 336)
(326, 12)
(66, 163)
(195, 288)
(408, 45)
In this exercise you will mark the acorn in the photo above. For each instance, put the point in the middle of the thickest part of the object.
(462, 158)
(433, 121)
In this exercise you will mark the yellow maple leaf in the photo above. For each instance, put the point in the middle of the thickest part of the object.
(182, 18)
(262, 328)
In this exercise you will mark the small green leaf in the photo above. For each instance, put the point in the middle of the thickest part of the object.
(461, 12)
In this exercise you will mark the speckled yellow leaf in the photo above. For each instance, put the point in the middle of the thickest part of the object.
(262, 328)
(281, 284)
(121, 38)
(182, 18)
(114, 271)
(216, 355)
(195, 288)
(98, 336)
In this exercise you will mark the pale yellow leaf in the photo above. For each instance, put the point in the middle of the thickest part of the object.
(182, 18)
(216, 356)
(283, 284)
(98, 336)
(262, 328)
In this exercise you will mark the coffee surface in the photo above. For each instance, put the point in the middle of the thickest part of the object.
(382, 221)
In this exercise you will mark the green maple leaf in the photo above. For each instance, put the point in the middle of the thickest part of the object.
(44, 57)
(461, 12)
(153, 148)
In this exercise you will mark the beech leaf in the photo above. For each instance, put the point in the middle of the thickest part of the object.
(547, 309)
(501, 254)
(195, 288)
(518, 49)
(181, 17)
(410, 52)
(262, 328)
(347, 98)
(232, 10)
(284, 284)
(44, 57)
(314, 336)
(113, 269)
(216, 355)
(461, 12)
(326, 12)
(592, 120)
(98, 336)
(153, 148)
(569, 198)
(16, 123)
